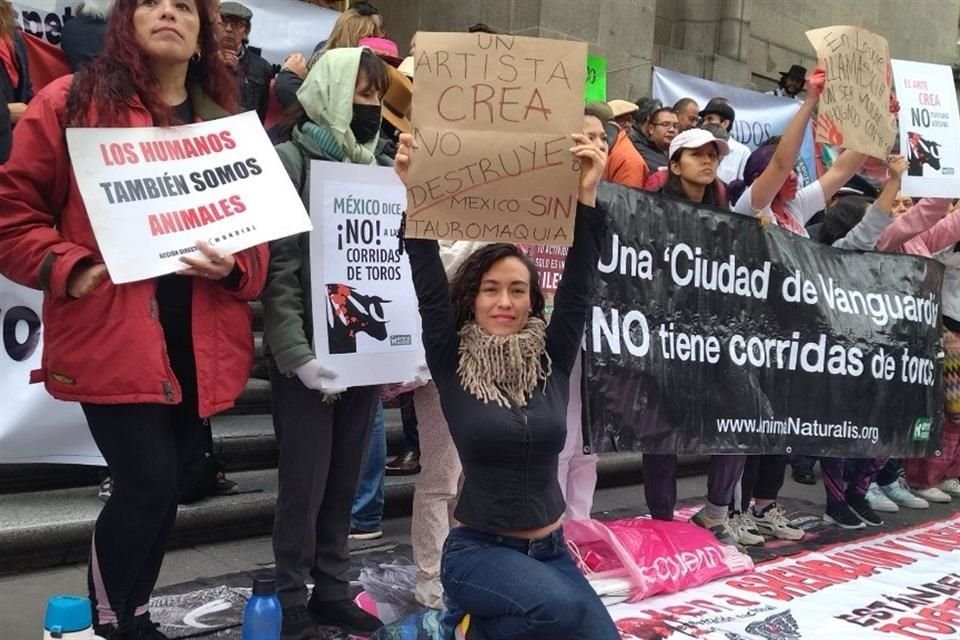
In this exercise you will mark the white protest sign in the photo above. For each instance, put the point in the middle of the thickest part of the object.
(152, 192)
(929, 128)
(34, 427)
(366, 323)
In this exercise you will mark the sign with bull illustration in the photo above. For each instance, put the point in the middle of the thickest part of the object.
(365, 318)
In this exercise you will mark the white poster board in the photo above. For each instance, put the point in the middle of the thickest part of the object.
(152, 192)
(33, 426)
(366, 323)
(929, 128)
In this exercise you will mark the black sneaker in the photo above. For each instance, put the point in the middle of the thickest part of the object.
(356, 533)
(298, 624)
(344, 615)
(802, 475)
(843, 516)
(862, 509)
(719, 528)
(225, 487)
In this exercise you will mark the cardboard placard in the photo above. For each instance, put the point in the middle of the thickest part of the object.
(152, 192)
(929, 128)
(595, 89)
(854, 110)
(492, 119)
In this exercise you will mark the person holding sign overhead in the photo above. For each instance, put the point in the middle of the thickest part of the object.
(322, 432)
(503, 378)
(145, 359)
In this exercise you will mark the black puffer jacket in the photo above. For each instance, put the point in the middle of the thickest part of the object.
(253, 83)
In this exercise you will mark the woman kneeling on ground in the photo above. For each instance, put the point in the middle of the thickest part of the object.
(503, 379)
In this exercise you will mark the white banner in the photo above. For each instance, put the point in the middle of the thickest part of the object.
(365, 319)
(33, 426)
(900, 585)
(929, 128)
(759, 116)
(151, 193)
(279, 27)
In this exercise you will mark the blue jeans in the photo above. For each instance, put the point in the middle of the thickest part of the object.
(516, 589)
(367, 509)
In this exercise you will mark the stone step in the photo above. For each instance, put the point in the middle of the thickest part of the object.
(51, 528)
(241, 442)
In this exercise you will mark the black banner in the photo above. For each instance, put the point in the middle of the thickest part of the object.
(710, 333)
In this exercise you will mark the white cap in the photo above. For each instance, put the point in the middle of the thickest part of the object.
(696, 138)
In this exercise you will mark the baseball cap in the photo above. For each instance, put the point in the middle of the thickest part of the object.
(696, 138)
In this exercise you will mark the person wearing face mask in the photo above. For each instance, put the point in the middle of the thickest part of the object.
(322, 433)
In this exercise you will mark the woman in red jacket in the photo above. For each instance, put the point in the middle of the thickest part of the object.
(144, 359)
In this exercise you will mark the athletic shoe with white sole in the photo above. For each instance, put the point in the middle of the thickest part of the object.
(900, 494)
(719, 528)
(772, 522)
(356, 533)
(950, 487)
(863, 510)
(745, 530)
(879, 501)
(843, 516)
(933, 494)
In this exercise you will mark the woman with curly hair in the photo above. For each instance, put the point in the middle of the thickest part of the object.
(503, 376)
(146, 360)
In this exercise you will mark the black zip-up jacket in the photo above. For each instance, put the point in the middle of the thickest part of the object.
(509, 455)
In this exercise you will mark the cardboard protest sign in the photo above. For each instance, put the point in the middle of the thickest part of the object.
(492, 118)
(152, 192)
(596, 86)
(854, 109)
(929, 128)
(365, 317)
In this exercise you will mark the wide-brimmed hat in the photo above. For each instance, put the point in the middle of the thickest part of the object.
(696, 138)
(385, 49)
(622, 108)
(720, 107)
(395, 108)
(796, 71)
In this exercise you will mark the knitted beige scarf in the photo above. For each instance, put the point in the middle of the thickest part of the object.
(503, 369)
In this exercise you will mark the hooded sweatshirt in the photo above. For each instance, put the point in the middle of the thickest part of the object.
(327, 99)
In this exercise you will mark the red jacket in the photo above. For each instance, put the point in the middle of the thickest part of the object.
(108, 347)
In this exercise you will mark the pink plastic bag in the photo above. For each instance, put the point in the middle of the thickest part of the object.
(653, 555)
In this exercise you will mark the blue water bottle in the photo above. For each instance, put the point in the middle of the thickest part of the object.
(262, 616)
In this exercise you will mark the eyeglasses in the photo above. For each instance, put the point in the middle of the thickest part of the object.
(668, 125)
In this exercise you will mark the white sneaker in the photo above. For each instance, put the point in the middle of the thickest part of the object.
(951, 486)
(745, 530)
(933, 495)
(774, 524)
(899, 493)
(879, 501)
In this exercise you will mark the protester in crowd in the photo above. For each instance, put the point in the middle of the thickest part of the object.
(361, 20)
(15, 88)
(366, 514)
(503, 373)
(82, 37)
(660, 131)
(791, 82)
(577, 465)
(645, 108)
(694, 157)
(251, 72)
(625, 165)
(719, 111)
(623, 112)
(927, 229)
(769, 189)
(322, 432)
(159, 67)
(853, 223)
(687, 113)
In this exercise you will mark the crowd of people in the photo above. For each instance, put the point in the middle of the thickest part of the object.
(497, 438)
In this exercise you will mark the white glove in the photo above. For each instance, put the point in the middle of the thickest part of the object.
(312, 374)
(422, 376)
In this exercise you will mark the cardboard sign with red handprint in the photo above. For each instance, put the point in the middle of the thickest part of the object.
(855, 106)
